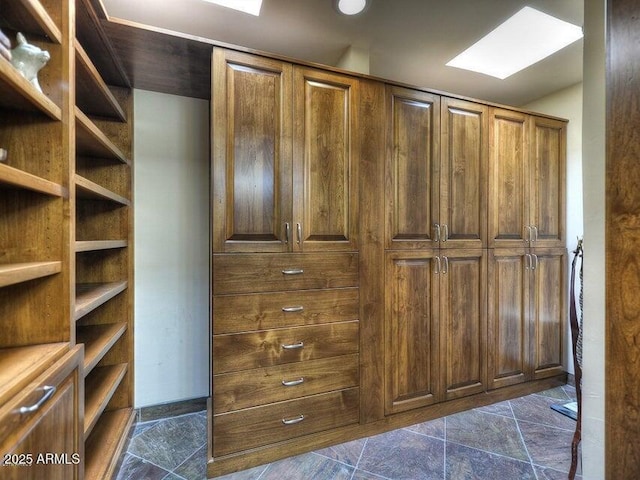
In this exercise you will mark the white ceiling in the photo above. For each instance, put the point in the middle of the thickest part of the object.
(409, 41)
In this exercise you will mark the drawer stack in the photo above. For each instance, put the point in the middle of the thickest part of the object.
(285, 347)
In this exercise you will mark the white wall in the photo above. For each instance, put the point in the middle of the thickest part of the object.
(567, 103)
(171, 167)
(594, 237)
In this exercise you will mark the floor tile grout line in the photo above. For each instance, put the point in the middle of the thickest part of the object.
(501, 455)
(374, 474)
(547, 425)
(366, 440)
(188, 457)
(147, 461)
(266, 467)
(526, 449)
(444, 460)
(332, 459)
(423, 434)
(491, 413)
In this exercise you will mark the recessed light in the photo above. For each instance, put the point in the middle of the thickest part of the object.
(351, 7)
(522, 40)
(246, 6)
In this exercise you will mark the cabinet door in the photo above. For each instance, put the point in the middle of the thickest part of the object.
(411, 331)
(463, 174)
(251, 153)
(548, 180)
(548, 311)
(325, 188)
(509, 317)
(412, 169)
(508, 179)
(463, 327)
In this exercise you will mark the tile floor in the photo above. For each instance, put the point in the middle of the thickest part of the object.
(512, 440)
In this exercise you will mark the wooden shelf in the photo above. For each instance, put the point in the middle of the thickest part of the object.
(19, 94)
(106, 442)
(13, 273)
(99, 388)
(98, 340)
(19, 366)
(16, 178)
(92, 94)
(30, 16)
(96, 245)
(89, 190)
(91, 142)
(90, 296)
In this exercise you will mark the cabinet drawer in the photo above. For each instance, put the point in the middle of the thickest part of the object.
(254, 427)
(49, 424)
(262, 311)
(234, 391)
(253, 273)
(244, 351)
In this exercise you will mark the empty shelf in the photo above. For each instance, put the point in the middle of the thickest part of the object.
(92, 142)
(17, 178)
(87, 189)
(99, 388)
(32, 17)
(13, 273)
(104, 445)
(98, 340)
(95, 245)
(90, 296)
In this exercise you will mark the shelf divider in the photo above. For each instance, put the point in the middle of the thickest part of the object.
(13, 273)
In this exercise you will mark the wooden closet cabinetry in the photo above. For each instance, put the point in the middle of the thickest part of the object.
(285, 279)
(527, 174)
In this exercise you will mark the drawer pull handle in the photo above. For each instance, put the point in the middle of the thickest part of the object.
(293, 346)
(293, 271)
(293, 383)
(298, 308)
(48, 393)
(293, 421)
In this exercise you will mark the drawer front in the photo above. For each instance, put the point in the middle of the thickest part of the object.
(245, 351)
(255, 427)
(262, 311)
(254, 273)
(234, 391)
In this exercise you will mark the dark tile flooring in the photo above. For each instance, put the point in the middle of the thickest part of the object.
(512, 440)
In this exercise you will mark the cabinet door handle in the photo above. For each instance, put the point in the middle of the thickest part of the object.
(437, 229)
(446, 265)
(438, 265)
(293, 383)
(527, 261)
(445, 235)
(298, 308)
(535, 265)
(293, 271)
(293, 421)
(528, 236)
(293, 346)
(48, 393)
(287, 230)
(535, 229)
(299, 230)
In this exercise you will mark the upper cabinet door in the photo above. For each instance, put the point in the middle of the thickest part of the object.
(325, 161)
(509, 200)
(251, 153)
(548, 180)
(412, 169)
(463, 174)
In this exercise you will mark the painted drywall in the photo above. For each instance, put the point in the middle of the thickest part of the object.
(593, 459)
(567, 103)
(171, 167)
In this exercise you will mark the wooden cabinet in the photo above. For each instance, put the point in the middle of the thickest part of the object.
(41, 427)
(435, 326)
(527, 312)
(526, 180)
(284, 159)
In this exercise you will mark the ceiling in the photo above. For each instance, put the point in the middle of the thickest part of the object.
(408, 41)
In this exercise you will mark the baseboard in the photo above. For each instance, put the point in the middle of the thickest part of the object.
(171, 409)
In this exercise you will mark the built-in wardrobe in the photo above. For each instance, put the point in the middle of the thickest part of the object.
(381, 255)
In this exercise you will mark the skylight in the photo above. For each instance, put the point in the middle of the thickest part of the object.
(246, 6)
(522, 40)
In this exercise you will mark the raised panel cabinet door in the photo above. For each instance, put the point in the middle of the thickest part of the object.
(509, 196)
(412, 179)
(549, 311)
(251, 153)
(548, 180)
(325, 161)
(508, 317)
(463, 174)
(411, 331)
(463, 327)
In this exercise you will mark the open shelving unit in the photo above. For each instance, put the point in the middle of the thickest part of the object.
(102, 184)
